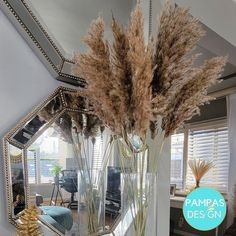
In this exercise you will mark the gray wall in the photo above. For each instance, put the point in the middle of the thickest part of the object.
(216, 109)
(24, 82)
(232, 146)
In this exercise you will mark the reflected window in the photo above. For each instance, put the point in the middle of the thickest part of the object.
(45, 153)
(97, 153)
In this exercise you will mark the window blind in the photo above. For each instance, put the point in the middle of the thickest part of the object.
(32, 167)
(210, 143)
(177, 152)
(97, 153)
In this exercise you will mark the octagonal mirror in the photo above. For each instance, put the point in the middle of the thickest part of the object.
(44, 167)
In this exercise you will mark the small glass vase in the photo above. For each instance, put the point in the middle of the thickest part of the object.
(138, 203)
(91, 202)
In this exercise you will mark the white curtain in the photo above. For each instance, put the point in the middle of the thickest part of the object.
(232, 148)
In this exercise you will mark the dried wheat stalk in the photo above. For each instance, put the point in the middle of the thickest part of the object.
(131, 83)
(199, 168)
(192, 95)
(84, 122)
(96, 68)
(122, 71)
(140, 59)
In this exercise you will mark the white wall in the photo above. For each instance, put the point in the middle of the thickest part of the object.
(24, 82)
(163, 192)
(163, 183)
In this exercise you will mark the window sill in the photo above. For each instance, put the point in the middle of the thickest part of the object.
(45, 184)
(180, 195)
(177, 201)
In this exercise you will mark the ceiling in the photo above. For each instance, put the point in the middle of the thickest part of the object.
(228, 76)
(221, 35)
(212, 44)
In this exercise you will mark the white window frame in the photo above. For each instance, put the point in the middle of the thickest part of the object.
(183, 176)
(196, 126)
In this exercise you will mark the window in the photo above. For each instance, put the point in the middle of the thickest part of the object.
(177, 154)
(47, 151)
(207, 141)
(32, 173)
(97, 153)
(210, 143)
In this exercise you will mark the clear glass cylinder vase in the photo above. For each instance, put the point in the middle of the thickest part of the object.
(91, 202)
(138, 201)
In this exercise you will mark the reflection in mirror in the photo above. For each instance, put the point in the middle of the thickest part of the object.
(74, 101)
(25, 134)
(55, 170)
(76, 16)
(49, 158)
(17, 180)
(53, 107)
(67, 174)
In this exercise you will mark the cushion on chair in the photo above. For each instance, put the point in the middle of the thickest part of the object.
(61, 215)
(49, 220)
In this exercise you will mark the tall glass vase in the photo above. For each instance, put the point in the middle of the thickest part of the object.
(137, 202)
(91, 202)
(91, 181)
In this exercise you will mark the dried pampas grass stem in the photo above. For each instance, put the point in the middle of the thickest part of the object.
(199, 169)
(131, 83)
